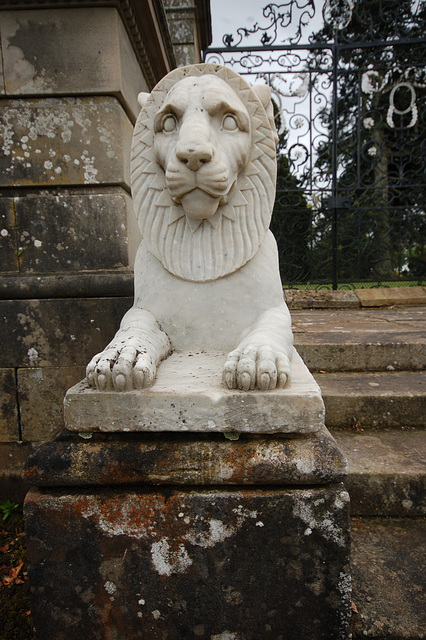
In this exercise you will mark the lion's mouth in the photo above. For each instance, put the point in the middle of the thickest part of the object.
(202, 203)
(199, 204)
(213, 193)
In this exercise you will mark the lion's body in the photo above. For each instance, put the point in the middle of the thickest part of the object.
(206, 272)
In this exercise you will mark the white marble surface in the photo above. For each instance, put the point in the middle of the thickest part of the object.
(189, 396)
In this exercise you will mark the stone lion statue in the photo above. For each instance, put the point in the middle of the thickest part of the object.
(206, 271)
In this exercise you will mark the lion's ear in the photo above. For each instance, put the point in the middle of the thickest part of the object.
(142, 98)
(263, 92)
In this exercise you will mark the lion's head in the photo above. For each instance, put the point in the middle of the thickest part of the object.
(203, 171)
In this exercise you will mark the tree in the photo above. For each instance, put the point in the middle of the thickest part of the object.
(380, 140)
(291, 218)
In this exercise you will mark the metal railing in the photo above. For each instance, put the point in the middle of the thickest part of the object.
(349, 83)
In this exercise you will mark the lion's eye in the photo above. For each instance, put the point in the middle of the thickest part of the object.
(229, 123)
(169, 124)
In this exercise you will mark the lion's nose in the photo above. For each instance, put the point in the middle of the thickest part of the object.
(194, 155)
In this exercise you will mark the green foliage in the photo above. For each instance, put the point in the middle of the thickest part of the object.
(291, 218)
(381, 229)
(8, 508)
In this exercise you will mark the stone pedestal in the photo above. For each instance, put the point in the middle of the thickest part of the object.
(192, 532)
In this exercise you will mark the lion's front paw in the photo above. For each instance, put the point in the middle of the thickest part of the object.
(121, 368)
(256, 366)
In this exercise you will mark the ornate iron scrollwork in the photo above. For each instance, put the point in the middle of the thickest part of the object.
(412, 108)
(294, 14)
(350, 92)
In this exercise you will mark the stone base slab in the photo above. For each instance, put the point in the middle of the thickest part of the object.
(188, 459)
(209, 564)
(384, 297)
(188, 395)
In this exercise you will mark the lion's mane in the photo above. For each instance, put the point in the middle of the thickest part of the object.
(215, 248)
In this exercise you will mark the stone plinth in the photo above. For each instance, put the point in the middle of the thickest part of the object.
(188, 395)
(174, 563)
(101, 459)
(189, 535)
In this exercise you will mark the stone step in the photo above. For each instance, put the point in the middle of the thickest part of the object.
(387, 472)
(361, 339)
(388, 578)
(379, 399)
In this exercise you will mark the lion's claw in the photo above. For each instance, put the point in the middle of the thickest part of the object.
(256, 366)
(120, 382)
(245, 381)
(143, 371)
(121, 370)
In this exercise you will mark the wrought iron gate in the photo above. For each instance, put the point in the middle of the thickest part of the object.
(349, 81)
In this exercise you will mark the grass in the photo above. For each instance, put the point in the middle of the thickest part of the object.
(7, 508)
(355, 285)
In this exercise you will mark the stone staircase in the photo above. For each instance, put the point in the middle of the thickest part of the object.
(370, 364)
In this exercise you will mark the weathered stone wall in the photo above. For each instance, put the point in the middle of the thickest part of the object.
(69, 80)
(190, 28)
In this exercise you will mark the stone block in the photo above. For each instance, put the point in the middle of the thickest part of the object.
(73, 232)
(64, 141)
(388, 576)
(188, 395)
(58, 332)
(182, 26)
(320, 299)
(361, 352)
(391, 399)
(387, 296)
(387, 472)
(175, 5)
(9, 423)
(2, 87)
(189, 459)
(13, 457)
(8, 241)
(41, 393)
(185, 54)
(81, 51)
(212, 564)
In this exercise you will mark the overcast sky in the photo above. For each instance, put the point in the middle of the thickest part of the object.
(228, 15)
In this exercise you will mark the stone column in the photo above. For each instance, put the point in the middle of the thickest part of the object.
(69, 79)
(230, 522)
